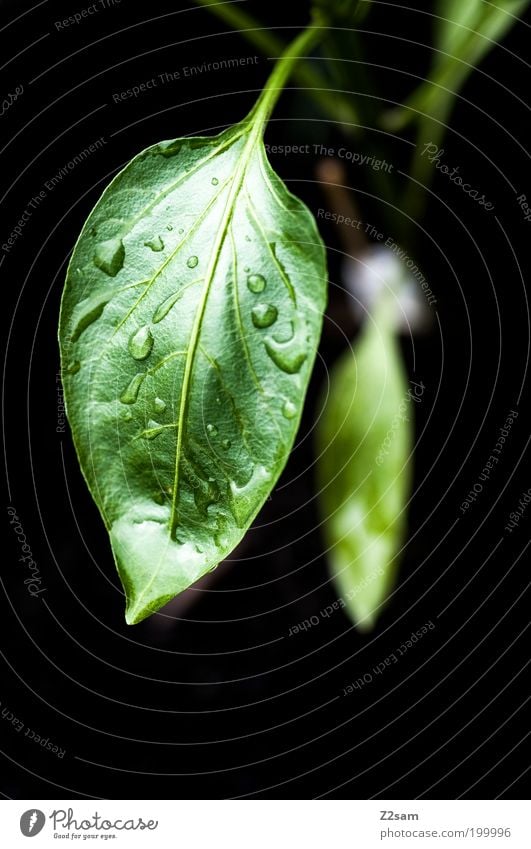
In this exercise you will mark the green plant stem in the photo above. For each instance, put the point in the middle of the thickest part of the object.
(305, 75)
(233, 15)
(280, 74)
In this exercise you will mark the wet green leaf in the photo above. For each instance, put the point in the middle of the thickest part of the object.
(189, 326)
(364, 441)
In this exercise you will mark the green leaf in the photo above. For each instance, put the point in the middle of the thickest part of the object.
(464, 32)
(189, 325)
(364, 441)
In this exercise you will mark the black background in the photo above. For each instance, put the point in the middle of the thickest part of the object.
(220, 701)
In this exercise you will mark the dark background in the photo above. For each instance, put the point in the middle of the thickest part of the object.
(216, 700)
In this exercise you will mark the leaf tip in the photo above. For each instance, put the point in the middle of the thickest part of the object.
(152, 567)
(144, 602)
(365, 623)
(135, 613)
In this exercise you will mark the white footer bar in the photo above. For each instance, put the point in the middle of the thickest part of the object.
(268, 824)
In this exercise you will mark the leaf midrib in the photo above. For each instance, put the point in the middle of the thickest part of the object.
(237, 180)
(215, 254)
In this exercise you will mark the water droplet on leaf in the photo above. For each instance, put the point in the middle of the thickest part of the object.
(212, 429)
(156, 244)
(192, 261)
(288, 361)
(264, 315)
(169, 148)
(130, 393)
(215, 181)
(152, 430)
(141, 343)
(164, 308)
(256, 283)
(226, 444)
(109, 256)
(89, 311)
(243, 497)
(289, 410)
(289, 354)
(159, 405)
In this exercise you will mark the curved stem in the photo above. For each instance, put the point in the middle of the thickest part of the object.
(244, 23)
(305, 74)
(272, 90)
